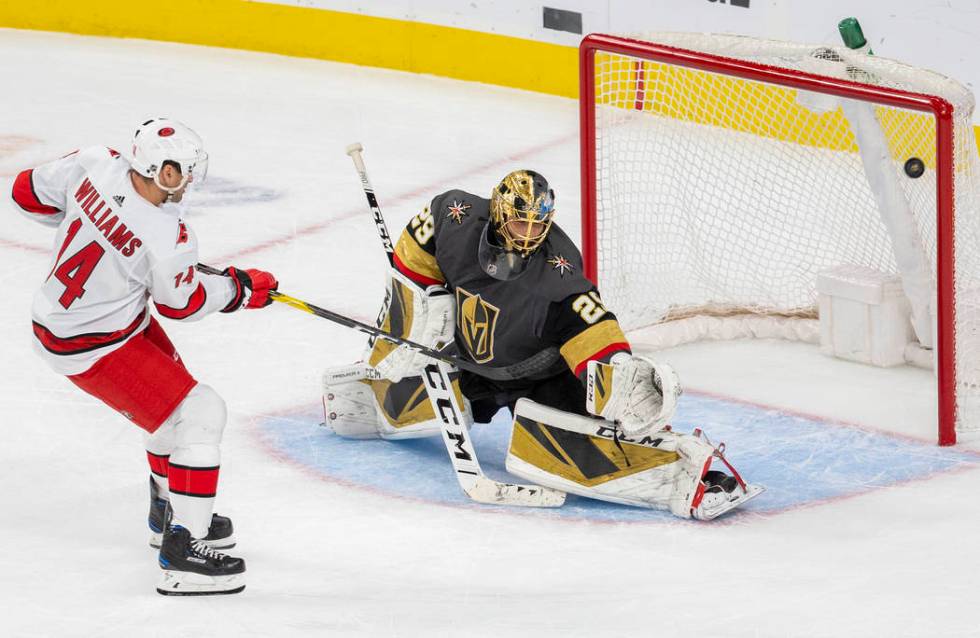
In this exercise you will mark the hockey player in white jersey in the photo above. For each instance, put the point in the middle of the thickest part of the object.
(120, 244)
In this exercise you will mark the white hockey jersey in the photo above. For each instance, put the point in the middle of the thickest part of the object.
(113, 252)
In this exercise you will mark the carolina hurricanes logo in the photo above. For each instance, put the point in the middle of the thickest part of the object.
(181, 234)
(457, 211)
(561, 264)
(166, 131)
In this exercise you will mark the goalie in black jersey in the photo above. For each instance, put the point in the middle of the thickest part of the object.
(500, 284)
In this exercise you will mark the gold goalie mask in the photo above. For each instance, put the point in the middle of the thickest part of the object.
(521, 210)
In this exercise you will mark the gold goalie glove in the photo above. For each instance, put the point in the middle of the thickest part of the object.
(634, 392)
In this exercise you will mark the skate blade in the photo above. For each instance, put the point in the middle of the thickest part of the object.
(751, 491)
(222, 543)
(175, 583)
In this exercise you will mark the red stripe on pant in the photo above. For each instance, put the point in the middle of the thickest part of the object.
(194, 481)
(158, 464)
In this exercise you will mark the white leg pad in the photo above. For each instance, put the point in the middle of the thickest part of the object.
(664, 472)
(352, 407)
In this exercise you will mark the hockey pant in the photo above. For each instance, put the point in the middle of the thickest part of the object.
(146, 381)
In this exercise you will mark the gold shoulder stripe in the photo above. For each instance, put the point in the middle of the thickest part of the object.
(594, 339)
(412, 256)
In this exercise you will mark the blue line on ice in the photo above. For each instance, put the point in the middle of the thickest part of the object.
(800, 460)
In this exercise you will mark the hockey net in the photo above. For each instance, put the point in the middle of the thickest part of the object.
(720, 174)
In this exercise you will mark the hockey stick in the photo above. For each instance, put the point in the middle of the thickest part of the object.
(347, 322)
(472, 480)
(354, 151)
(474, 483)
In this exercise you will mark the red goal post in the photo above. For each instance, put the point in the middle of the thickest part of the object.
(638, 66)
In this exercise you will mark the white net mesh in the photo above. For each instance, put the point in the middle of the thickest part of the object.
(719, 195)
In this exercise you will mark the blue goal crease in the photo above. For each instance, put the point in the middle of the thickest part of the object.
(800, 460)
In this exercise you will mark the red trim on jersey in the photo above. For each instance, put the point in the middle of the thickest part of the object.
(610, 349)
(84, 342)
(414, 276)
(158, 464)
(194, 303)
(25, 197)
(194, 481)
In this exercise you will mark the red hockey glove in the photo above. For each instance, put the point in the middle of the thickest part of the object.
(251, 288)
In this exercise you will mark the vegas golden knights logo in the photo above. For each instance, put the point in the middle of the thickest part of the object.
(476, 320)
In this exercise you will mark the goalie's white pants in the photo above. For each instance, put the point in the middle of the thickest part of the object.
(191, 436)
(665, 473)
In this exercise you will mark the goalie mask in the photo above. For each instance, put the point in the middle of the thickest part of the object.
(163, 140)
(521, 210)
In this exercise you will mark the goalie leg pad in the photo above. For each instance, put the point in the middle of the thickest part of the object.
(405, 410)
(663, 470)
(349, 407)
(552, 448)
(372, 408)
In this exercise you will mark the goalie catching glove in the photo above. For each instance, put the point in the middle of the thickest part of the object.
(425, 316)
(633, 391)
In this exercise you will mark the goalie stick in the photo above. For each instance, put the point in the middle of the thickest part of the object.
(474, 483)
(354, 151)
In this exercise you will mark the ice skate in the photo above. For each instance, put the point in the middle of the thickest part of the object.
(192, 568)
(723, 493)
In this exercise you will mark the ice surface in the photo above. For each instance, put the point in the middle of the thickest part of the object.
(867, 528)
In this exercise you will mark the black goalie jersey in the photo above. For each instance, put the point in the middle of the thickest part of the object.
(503, 323)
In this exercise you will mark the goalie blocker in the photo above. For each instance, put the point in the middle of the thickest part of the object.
(359, 403)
